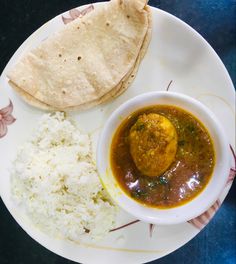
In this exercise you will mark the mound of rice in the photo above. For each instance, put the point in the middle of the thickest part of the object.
(55, 179)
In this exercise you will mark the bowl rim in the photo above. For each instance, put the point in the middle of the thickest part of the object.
(221, 137)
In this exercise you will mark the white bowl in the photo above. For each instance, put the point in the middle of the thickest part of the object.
(189, 210)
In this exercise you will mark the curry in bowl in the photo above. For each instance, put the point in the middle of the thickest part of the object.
(162, 156)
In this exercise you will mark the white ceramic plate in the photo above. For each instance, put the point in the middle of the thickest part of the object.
(176, 53)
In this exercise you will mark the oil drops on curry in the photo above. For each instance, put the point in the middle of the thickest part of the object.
(162, 156)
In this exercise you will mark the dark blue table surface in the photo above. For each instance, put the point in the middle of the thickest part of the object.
(215, 21)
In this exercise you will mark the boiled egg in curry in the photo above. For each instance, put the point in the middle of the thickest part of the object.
(162, 156)
(153, 144)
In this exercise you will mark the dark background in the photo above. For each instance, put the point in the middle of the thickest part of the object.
(215, 21)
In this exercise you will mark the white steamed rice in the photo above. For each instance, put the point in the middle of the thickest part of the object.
(55, 179)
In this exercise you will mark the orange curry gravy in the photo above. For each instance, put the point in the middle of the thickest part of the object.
(186, 177)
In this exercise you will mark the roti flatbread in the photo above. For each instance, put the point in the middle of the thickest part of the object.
(89, 61)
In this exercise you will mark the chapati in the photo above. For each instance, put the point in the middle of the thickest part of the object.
(89, 61)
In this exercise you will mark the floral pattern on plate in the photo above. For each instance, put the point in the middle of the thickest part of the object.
(75, 13)
(6, 119)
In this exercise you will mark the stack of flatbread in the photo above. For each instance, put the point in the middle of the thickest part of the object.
(91, 60)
